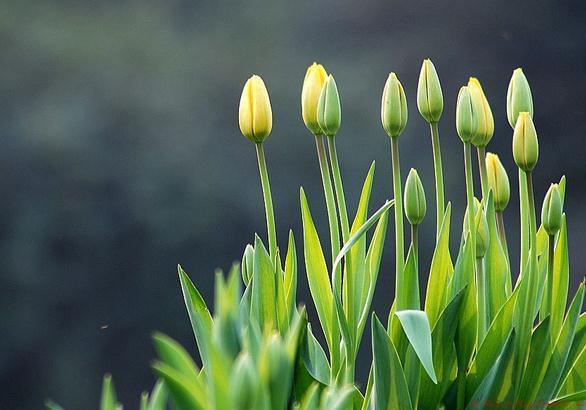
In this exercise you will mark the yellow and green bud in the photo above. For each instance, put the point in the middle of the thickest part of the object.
(519, 97)
(315, 78)
(430, 100)
(481, 107)
(551, 212)
(466, 121)
(394, 107)
(329, 114)
(414, 201)
(255, 116)
(498, 181)
(525, 144)
(482, 233)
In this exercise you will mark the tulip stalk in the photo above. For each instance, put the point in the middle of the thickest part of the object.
(439, 177)
(399, 233)
(483, 174)
(338, 186)
(268, 200)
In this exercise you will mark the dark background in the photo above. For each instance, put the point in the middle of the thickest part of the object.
(121, 156)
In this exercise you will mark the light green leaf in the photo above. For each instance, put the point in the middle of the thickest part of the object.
(187, 393)
(264, 291)
(416, 327)
(310, 400)
(314, 358)
(561, 278)
(569, 399)
(158, 397)
(575, 378)
(108, 400)
(174, 355)
(291, 276)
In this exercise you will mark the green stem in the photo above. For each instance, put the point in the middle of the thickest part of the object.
(483, 174)
(500, 225)
(415, 243)
(524, 217)
(439, 177)
(532, 223)
(482, 302)
(470, 195)
(549, 286)
(399, 238)
(461, 395)
(341, 198)
(268, 199)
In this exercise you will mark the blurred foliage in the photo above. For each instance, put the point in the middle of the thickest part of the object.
(121, 151)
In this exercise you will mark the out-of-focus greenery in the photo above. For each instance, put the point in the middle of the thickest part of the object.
(121, 152)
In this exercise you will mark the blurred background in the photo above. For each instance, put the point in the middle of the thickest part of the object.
(121, 154)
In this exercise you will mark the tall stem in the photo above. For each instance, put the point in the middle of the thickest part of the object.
(415, 243)
(500, 225)
(470, 196)
(482, 302)
(524, 217)
(439, 177)
(341, 199)
(483, 174)
(549, 286)
(461, 395)
(399, 238)
(268, 199)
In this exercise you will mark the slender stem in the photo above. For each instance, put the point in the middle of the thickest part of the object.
(341, 199)
(470, 195)
(415, 242)
(482, 302)
(439, 177)
(483, 174)
(399, 238)
(524, 217)
(549, 286)
(500, 225)
(268, 199)
(532, 223)
(461, 395)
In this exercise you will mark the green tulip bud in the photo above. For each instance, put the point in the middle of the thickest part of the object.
(315, 78)
(485, 126)
(466, 121)
(255, 116)
(498, 181)
(525, 144)
(430, 100)
(394, 107)
(482, 233)
(329, 114)
(414, 201)
(519, 97)
(551, 212)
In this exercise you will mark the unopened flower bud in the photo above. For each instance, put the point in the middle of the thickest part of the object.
(466, 121)
(551, 212)
(430, 100)
(415, 206)
(394, 107)
(525, 144)
(498, 182)
(315, 78)
(329, 115)
(519, 97)
(485, 126)
(482, 234)
(255, 116)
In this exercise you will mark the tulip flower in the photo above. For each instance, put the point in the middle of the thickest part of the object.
(525, 144)
(481, 107)
(551, 212)
(415, 206)
(315, 78)
(519, 97)
(498, 182)
(466, 119)
(329, 114)
(255, 116)
(394, 107)
(430, 100)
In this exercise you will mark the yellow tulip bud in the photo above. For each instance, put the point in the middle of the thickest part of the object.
(485, 128)
(551, 212)
(315, 78)
(466, 121)
(329, 114)
(519, 97)
(394, 107)
(525, 144)
(414, 201)
(482, 234)
(255, 116)
(430, 100)
(498, 182)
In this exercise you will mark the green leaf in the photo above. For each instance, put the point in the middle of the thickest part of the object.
(570, 398)
(291, 276)
(187, 393)
(247, 264)
(416, 327)
(108, 400)
(337, 398)
(390, 387)
(310, 400)
(158, 397)
(561, 278)
(575, 378)
(264, 290)
(441, 267)
(51, 405)
(314, 358)
(410, 285)
(175, 356)
(578, 343)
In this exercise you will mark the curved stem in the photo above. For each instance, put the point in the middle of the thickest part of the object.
(268, 199)
(439, 177)
(341, 199)
(399, 238)
(483, 173)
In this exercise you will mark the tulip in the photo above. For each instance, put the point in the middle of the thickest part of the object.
(415, 206)
(329, 114)
(394, 107)
(498, 182)
(430, 100)
(481, 225)
(525, 144)
(255, 116)
(519, 97)
(551, 212)
(485, 125)
(315, 78)
(466, 121)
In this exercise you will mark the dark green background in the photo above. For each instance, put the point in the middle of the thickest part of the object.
(120, 154)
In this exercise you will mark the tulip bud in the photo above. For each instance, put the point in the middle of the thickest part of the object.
(498, 182)
(415, 206)
(430, 99)
(519, 97)
(329, 115)
(482, 234)
(551, 212)
(255, 116)
(466, 121)
(485, 127)
(525, 144)
(394, 107)
(315, 78)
